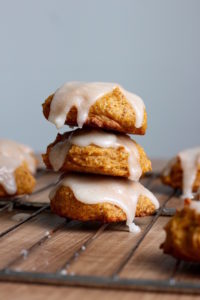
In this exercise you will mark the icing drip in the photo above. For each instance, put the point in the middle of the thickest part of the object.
(98, 189)
(190, 160)
(99, 138)
(12, 155)
(83, 96)
(196, 206)
(58, 153)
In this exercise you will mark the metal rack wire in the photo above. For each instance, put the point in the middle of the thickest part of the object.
(61, 277)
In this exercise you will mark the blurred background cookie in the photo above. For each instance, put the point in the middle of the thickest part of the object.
(17, 166)
(183, 172)
(183, 233)
(101, 198)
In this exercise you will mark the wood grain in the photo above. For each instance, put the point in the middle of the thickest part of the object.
(149, 261)
(105, 253)
(7, 218)
(24, 236)
(56, 250)
(37, 292)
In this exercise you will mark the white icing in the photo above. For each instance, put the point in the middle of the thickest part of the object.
(190, 160)
(134, 228)
(100, 189)
(58, 153)
(99, 138)
(12, 155)
(196, 206)
(83, 96)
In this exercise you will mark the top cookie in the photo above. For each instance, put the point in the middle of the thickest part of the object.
(95, 104)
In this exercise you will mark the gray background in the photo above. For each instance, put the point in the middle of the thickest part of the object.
(150, 47)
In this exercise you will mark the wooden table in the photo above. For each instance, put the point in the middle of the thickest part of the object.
(46, 244)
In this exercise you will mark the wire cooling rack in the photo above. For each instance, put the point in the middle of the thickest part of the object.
(37, 205)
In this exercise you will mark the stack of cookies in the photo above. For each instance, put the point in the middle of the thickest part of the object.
(101, 164)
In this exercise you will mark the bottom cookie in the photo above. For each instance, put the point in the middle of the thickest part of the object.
(102, 199)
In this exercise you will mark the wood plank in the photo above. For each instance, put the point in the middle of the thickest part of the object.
(54, 252)
(7, 218)
(24, 236)
(148, 255)
(104, 254)
(32, 292)
(175, 202)
(149, 260)
(188, 271)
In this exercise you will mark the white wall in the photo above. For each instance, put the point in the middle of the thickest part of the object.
(150, 47)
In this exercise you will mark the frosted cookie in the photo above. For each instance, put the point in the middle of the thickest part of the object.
(183, 233)
(183, 172)
(101, 198)
(17, 166)
(99, 152)
(96, 104)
